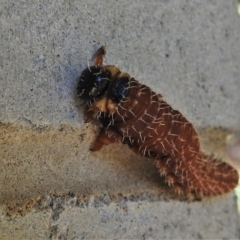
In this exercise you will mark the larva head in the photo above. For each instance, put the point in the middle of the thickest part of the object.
(93, 83)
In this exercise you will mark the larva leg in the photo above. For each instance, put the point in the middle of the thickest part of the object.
(105, 137)
(98, 56)
(89, 113)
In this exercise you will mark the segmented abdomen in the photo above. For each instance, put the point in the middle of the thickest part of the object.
(153, 129)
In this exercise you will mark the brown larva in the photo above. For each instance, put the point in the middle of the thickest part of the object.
(132, 113)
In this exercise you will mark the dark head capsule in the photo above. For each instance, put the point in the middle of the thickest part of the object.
(93, 83)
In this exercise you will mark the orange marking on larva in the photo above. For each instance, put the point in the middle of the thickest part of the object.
(153, 129)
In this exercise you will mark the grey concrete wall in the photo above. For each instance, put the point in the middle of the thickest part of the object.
(51, 186)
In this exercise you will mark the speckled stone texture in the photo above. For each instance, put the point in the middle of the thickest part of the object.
(51, 186)
(55, 218)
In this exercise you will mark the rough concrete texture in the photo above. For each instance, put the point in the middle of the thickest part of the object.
(125, 219)
(51, 186)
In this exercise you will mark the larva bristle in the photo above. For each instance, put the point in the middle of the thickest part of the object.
(170, 180)
(179, 190)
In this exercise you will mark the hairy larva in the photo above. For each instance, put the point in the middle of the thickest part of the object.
(132, 113)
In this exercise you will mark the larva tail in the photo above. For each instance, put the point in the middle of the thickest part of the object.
(204, 176)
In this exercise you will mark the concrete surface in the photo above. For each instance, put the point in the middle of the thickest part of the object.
(51, 187)
(54, 218)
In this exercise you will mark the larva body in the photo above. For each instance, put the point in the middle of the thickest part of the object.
(132, 113)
